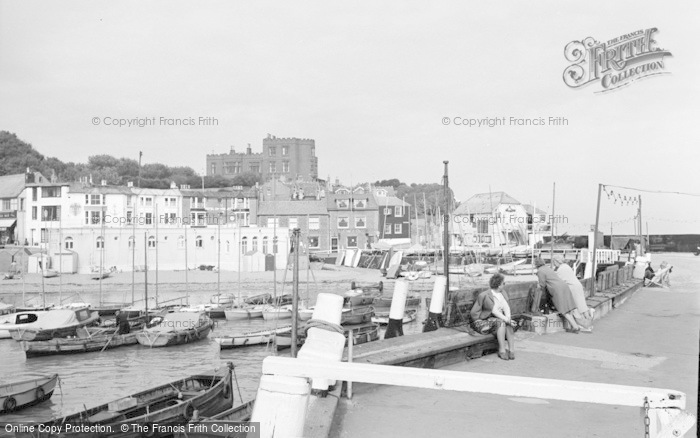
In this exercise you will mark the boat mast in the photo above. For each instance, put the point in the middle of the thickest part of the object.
(60, 257)
(133, 251)
(240, 303)
(145, 270)
(295, 291)
(102, 247)
(595, 242)
(44, 259)
(218, 257)
(446, 237)
(551, 225)
(157, 219)
(274, 238)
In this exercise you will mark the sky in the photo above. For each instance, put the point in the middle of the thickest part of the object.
(371, 83)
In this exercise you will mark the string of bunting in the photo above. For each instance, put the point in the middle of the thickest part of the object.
(623, 199)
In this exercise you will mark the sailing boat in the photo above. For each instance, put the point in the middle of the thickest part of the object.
(245, 309)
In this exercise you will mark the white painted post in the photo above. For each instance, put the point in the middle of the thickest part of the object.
(280, 406)
(323, 345)
(436, 302)
(351, 342)
(396, 312)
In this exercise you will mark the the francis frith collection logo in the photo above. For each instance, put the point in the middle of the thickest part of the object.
(615, 63)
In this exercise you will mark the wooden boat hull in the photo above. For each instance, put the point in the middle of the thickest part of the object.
(223, 299)
(383, 318)
(274, 314)
(411, 301)
(238, 413)
(31, 334)
(356, 315)
(253, 338)
(20, 395)
(170, 404)
(175, 337)
(258, 299)
(244, 313)
(361, 335)
(77, 345)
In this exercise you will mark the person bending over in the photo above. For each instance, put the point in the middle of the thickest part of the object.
(560, 293)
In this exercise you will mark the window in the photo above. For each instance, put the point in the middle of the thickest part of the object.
(99, 243)
(359, 203)
(397, 228)
(342, 191)
(293, 222)
(381, 192)
(151, 241)
(68, 243)
(181, 242)
(213, 168)
(147, 201)
(334, 244)
(254, 247)
(398, 211)
(314, 223)
(359, 191)
(129, 217)
(92, 217)
(343, 222)
(313, 241)
(149, 218)
(50, 213)
(273, 167)
(34, 190)
(264, 245)
(237, 167)
(244, 245)
(352, 241)
(21, 204)
(342, 203)
(228, 167)
(387, 211)
(360, 222)
(93, 199)
(199, 242)
(6, 204)
(34, 210)
(285, 150)
(482, 226)
(132, 242)
(273, 222)
(285, 166)
(272, 151)
(50, 192)
(228, 246)
(387, 229)
(274, 245)
(255, 167)
(128, 201)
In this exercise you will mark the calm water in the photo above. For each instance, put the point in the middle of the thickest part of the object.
(91, 379)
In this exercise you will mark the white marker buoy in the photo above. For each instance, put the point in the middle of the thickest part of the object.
(437, 301)
(396, 312)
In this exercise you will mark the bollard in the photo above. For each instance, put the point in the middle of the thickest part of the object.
(435, 312)
(396, 312)
(323, 344)
(280, 405)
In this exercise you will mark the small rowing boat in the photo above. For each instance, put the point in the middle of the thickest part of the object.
(176, 328)
(356, 315)
(412, 300)
(251, 338)
(174, 403)
(383, 317)
(19, 395)
(88, 339)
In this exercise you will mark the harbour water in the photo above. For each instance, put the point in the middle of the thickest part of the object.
(91, 379)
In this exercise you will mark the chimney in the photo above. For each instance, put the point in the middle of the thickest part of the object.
(248, 150)
(232, 151)
(173, 185)
(129, 183)
(103, 182)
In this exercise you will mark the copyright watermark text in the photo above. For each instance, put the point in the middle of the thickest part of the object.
(493, 122)
(142, 122)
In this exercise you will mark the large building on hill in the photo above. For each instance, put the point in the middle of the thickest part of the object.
(292, 158)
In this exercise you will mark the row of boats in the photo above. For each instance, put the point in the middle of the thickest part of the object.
(200, 398)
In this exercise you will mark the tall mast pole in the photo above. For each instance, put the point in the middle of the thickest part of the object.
(145, 270)
(133, 250)
(641, 232)
(295, 291)
(595, 241)
(218, 257)
(551, 225)
(157, 219)
(60, 253)
(446, 236)
(102, 247)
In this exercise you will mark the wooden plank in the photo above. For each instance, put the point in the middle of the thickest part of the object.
(585, 392)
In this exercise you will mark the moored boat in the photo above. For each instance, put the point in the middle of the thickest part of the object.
(412, 300)
(222, 299)
(383, 317)
(88, 339)
(251, 338)
(42, 326)
(359, 297)
(362, 334)
(176, 328)
(235, 414)
(171, 404)
(6, 309)
(356, 315)
(244, 312)
(272, 313)
(18, 395)
(258, 299)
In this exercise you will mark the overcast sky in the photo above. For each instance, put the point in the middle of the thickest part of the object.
(371, 83)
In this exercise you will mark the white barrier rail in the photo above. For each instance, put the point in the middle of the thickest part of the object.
(664, 408)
